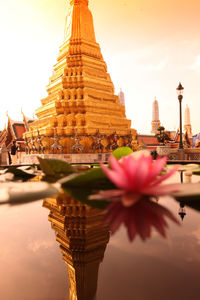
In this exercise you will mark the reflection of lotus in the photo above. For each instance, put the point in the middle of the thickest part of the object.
(138, 181)
(139, 218)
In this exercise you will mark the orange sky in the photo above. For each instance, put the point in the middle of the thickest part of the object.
(148, 45)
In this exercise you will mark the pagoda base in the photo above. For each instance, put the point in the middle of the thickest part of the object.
(76, 158)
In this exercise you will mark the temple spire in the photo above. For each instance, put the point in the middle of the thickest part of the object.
(155, 117)
(79, 22)
(25, 121)
(84, 2)
(121, 97)
(187, 123)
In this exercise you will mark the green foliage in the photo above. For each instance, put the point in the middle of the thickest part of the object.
(162, 136)
(161, 128)
(85, 177)
(196, 172)
(55, 169)
(189, 194)
(82, 185)
(122, 151)
(82, 193)
(189, 167)
(19, 174)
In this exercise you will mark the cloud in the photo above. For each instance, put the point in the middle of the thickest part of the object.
(136, 62)
(196, 234)
(155, 67)
(196, 64)
(35, 246)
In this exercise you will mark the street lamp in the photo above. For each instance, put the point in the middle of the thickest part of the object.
(180, 97)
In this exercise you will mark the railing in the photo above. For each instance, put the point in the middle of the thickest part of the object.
(185, 154)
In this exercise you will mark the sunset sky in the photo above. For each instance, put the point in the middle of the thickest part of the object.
(148, 45)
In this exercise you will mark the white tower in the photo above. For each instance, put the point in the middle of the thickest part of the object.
(187, 122)
(155, 117)
(121, 97)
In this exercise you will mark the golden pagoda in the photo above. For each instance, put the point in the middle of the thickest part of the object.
(81, 102)
(83, 238)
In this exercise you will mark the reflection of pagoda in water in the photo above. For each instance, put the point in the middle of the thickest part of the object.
(182, 211)
(81, 95)
(83, 241)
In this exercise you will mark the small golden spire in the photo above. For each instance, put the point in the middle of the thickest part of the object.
(72, 2)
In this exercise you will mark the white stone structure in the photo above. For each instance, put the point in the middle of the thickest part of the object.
(121, 97)
(187, 122)
(155, 117)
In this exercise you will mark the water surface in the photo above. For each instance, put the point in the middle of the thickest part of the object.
(32, 266)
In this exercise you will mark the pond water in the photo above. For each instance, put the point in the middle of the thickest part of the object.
(32, 266)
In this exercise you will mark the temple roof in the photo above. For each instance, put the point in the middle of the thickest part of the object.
(13, 131)
(19, 129)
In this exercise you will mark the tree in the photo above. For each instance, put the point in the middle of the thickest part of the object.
(162, 136)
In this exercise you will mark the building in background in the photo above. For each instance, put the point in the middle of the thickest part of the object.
(196, 141)
(187, 122)
(155, 117)
(14, 131)
(147, 141)
(121, 97)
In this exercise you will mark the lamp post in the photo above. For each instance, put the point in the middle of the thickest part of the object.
(180, 97)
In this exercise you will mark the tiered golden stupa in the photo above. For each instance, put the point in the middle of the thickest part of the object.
(83, 239)
(81, 100)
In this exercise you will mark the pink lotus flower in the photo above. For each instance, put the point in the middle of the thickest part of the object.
(137, 181)
(139, 218)
(136, 178)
